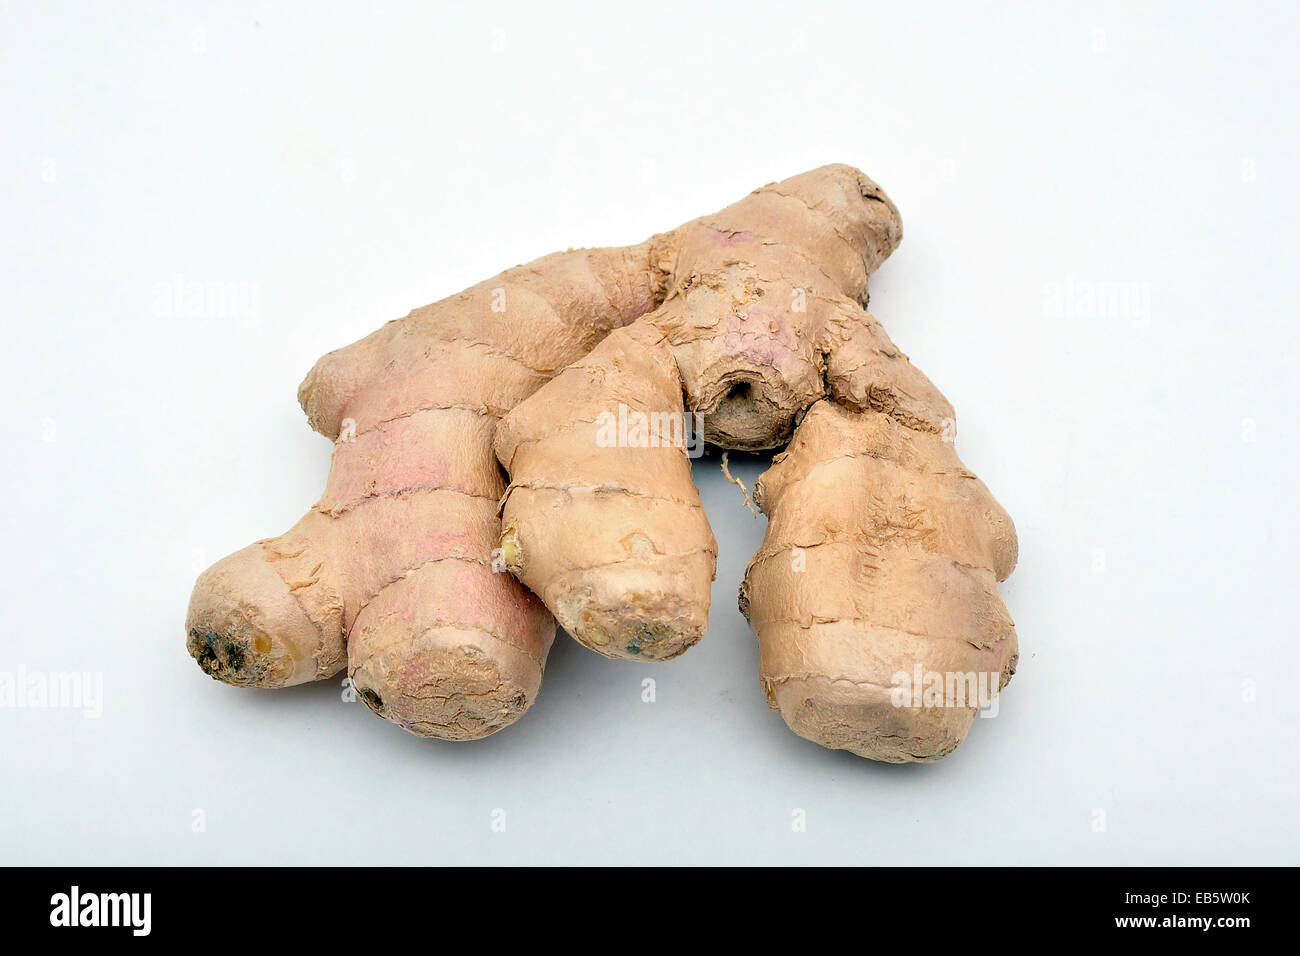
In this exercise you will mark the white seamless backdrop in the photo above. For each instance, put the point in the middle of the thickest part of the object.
(1098, 270)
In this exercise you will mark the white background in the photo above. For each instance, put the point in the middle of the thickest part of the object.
(343, 164)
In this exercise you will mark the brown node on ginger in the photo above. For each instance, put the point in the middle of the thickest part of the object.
(744, 411)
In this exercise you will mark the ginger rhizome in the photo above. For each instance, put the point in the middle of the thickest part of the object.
(882, 553)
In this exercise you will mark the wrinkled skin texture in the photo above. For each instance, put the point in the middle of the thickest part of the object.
(763, 333)
(882, 555)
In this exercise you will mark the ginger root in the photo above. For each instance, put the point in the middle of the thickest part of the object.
(577, 373)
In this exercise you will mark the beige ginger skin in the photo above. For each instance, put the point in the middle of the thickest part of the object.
(882, 556)
(882, 551)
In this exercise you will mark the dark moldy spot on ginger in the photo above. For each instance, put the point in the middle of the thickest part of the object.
(224, 658)
(372, 700)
